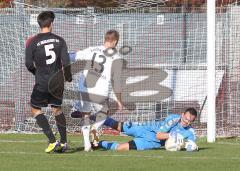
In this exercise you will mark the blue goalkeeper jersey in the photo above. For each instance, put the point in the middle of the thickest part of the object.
(171, 123)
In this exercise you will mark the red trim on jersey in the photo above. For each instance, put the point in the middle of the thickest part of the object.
(29, 40)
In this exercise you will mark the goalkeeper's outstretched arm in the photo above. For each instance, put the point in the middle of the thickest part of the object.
(162, 135)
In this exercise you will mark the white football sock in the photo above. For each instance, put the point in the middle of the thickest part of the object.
(86, 133)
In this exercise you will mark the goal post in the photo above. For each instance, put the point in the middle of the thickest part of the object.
(211, 94)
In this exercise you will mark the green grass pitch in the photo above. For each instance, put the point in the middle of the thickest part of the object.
(22, 152)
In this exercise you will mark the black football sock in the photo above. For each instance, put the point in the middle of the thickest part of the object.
(61, 125)
(43, 123)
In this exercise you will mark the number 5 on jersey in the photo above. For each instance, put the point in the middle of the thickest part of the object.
(49, 52)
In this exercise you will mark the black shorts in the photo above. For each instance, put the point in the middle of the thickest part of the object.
(132, 145)
(43, 99)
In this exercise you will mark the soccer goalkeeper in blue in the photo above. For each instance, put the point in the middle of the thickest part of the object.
(152, 135)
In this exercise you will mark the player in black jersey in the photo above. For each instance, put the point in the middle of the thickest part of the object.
(46, 57)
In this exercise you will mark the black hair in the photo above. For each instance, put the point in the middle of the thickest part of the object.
(45, 18)
(191, 110)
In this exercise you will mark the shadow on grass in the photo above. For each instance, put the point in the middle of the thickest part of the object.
(199, 149)
(78, 149)
(204, 148)
(74, 150)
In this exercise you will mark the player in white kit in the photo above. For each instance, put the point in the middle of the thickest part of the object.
(101, 75)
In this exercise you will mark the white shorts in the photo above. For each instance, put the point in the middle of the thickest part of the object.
(84, 106)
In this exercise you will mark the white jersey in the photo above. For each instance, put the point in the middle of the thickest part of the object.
(102, 70)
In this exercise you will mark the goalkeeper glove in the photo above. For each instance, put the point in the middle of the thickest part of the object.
(191, 146)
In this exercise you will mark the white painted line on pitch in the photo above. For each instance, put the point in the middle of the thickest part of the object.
(229, 143)
(21, 141)
(30, 141)
(35, 141)
(122, 155)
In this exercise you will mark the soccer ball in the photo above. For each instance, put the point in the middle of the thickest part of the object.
(191, 146)
(172, 145)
